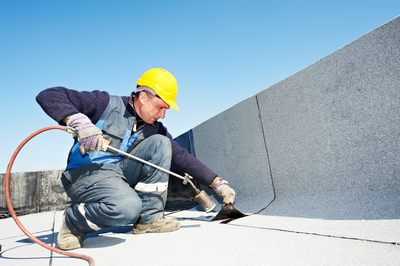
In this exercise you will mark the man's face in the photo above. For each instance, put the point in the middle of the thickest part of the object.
(152, 108)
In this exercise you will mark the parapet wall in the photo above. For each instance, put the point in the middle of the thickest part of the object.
(323, 143)
(33, 192)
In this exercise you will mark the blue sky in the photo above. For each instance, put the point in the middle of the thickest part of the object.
(221, 52)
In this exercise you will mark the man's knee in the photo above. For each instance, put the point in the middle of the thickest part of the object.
(160, 142)
(124, 211)
(131, 209)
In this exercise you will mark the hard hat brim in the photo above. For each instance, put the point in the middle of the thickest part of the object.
(174, 106)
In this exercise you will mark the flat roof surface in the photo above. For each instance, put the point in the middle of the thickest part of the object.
(253, 240)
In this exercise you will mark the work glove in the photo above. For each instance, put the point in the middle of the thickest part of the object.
(222, 188)
(89, 136)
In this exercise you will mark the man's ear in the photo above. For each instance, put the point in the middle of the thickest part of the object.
(142, 97)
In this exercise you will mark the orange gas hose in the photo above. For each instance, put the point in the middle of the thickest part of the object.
(89, 259)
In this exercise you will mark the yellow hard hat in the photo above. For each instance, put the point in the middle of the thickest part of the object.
(163, 83)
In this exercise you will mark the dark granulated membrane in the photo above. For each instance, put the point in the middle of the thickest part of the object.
(228, 213)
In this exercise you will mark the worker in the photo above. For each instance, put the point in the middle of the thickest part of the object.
(107, 189)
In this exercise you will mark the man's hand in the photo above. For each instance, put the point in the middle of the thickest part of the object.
(89, 136)
(223, 190)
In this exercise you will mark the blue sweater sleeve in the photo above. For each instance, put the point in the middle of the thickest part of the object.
(60, 102)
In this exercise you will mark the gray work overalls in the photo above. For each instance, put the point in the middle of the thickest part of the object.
(110, 190)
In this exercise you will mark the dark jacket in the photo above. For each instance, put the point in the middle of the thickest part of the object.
(60, 102)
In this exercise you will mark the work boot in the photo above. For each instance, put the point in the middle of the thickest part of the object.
(163, 225)
(66, 239)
